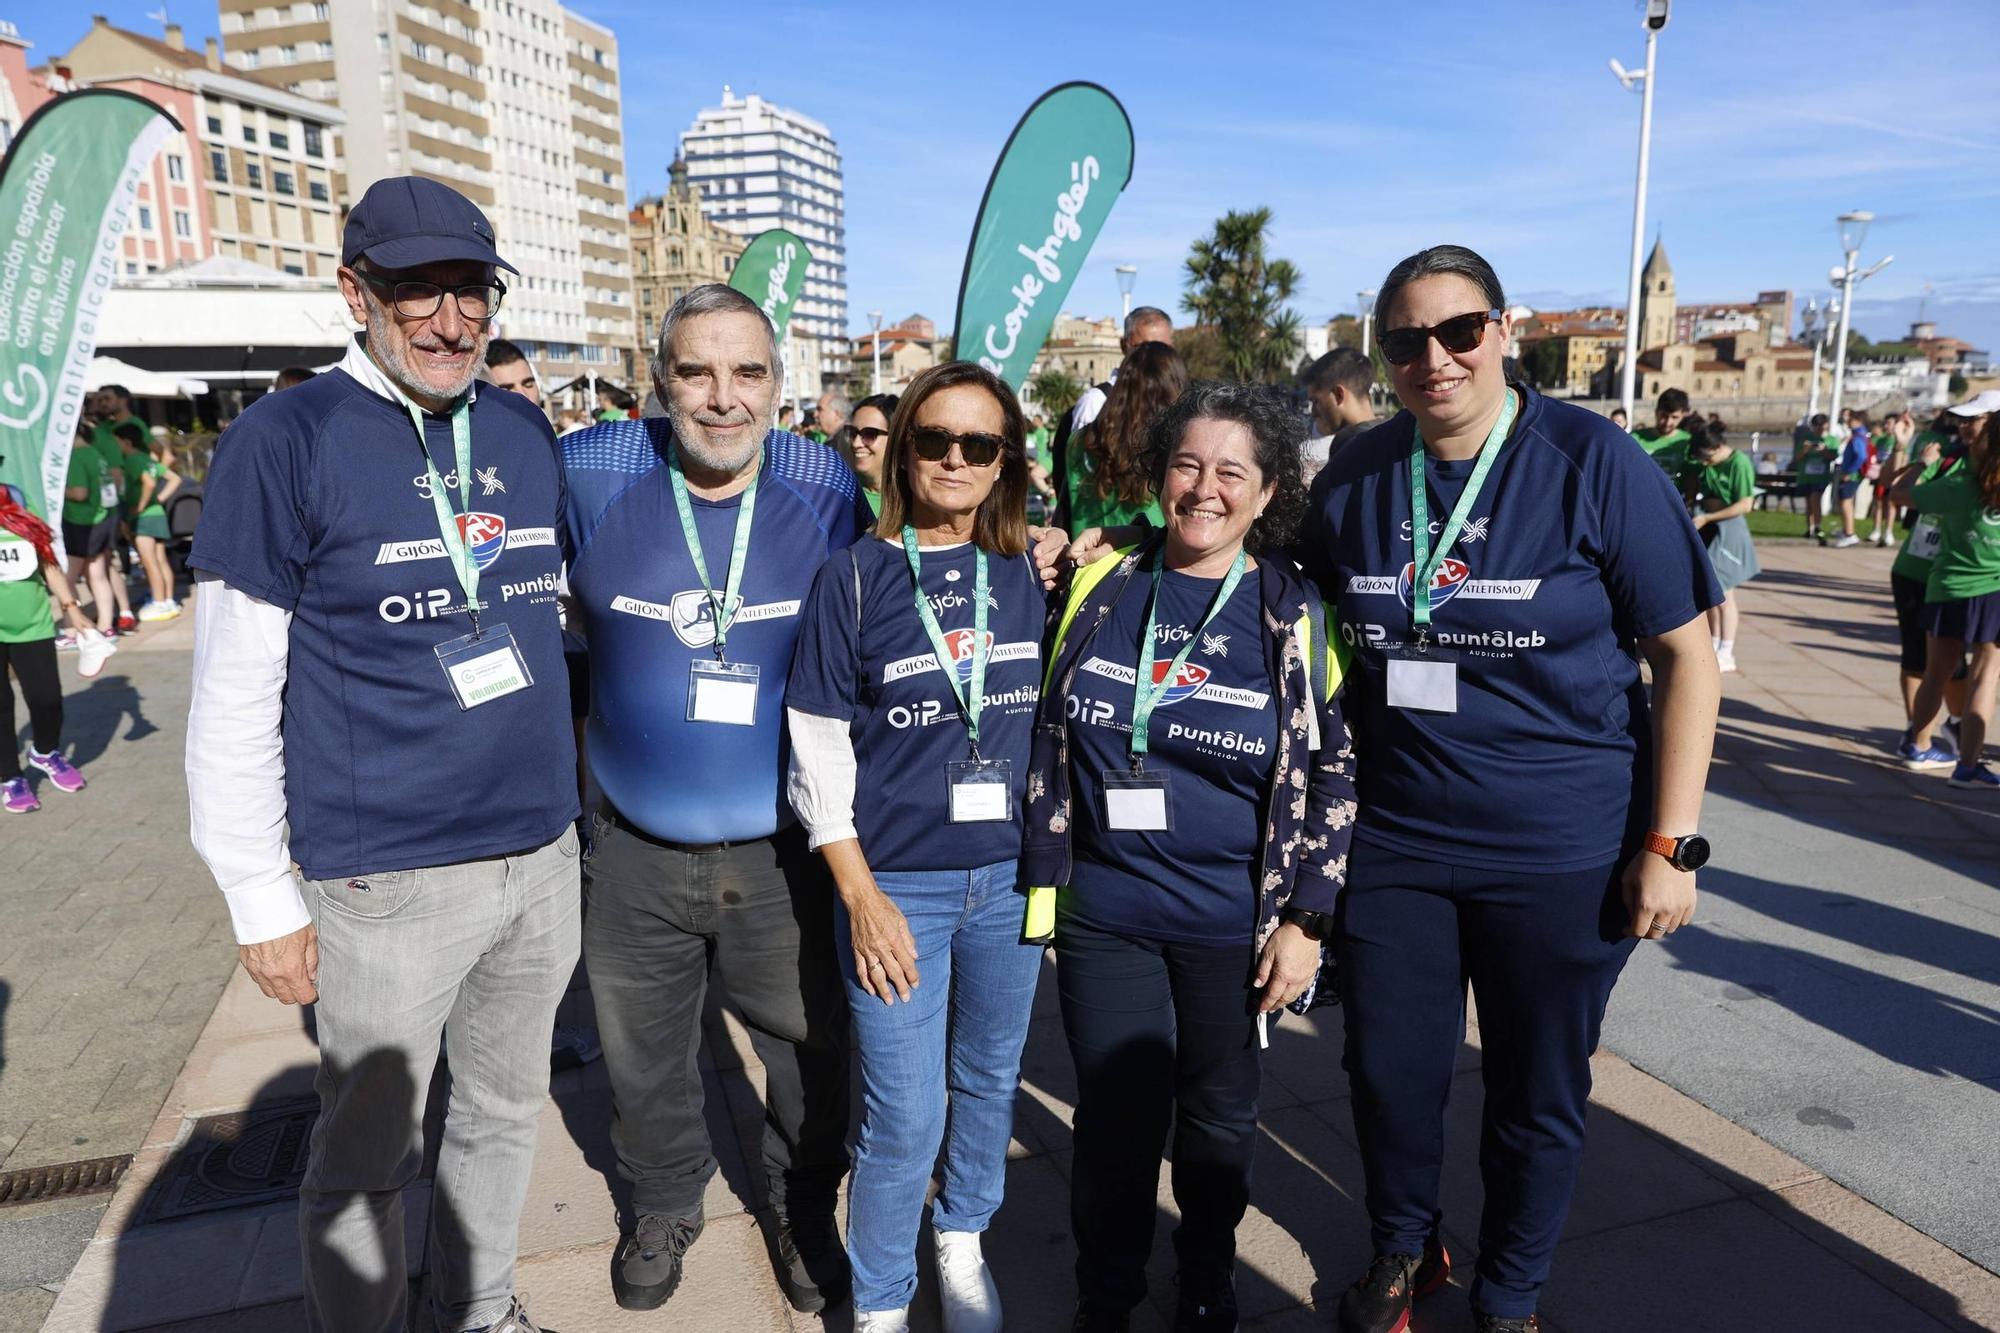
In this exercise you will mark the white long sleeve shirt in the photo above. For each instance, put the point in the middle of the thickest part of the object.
(235, 744)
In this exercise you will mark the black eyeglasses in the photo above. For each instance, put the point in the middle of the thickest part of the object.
(476, 301)
(1460, 333)
(933, 445)
(871, 434)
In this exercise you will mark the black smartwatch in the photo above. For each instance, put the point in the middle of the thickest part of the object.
(1689, 853)
(1315, 925)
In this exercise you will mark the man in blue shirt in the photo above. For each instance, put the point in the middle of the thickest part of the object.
(696, 537)
(378, 666)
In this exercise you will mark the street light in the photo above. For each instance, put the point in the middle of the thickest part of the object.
(1656, 19)
(1853, 230)
(1816, 325)
(1365, 303)
(875, 322)
(1128, 274)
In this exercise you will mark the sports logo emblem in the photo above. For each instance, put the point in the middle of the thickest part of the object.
(1185, 685)
(1445, 584)
(959, 642)
(484, 535)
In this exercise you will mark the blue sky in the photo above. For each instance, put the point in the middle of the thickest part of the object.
(1374, 129)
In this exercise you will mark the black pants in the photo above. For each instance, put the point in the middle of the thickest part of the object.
(656, 921)
(1162, 1034)
(34, 665)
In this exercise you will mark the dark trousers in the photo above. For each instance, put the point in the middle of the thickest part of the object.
(1162, 1034)
(34, 665)
(1542, 953)
(657, 920)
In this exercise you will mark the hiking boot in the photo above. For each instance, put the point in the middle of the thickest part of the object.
(811, 1262)
(646, 1267)
(1207, 1305)
(1380, 1301)
(514, 1321)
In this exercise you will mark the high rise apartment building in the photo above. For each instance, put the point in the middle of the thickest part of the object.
(514, 103)
(761, 166)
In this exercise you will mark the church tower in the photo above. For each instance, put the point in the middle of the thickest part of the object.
(1656, 299)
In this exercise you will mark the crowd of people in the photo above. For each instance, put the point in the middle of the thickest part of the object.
(867, 743)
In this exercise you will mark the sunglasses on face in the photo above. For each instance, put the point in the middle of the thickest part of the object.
(870, 435)
(1459, 334)
(933, 445)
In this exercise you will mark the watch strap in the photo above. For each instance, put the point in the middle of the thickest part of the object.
(1663, 845)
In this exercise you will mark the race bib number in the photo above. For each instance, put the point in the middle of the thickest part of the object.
(17, 560)
(107, 495)
(1926, 539)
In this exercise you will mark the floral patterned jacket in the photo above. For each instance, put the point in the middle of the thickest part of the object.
(1307, 827)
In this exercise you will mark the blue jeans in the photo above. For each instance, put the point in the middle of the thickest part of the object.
(957, 1043)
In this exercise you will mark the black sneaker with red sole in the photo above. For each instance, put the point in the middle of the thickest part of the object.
(1381, 1301)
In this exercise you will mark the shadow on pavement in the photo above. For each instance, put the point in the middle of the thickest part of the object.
(91, 718)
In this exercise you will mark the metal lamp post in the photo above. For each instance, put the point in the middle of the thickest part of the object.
(1365, 303)
(875, 345)
(1853, 230)
(1656, 19)
(1128, 274)
(1816, 325)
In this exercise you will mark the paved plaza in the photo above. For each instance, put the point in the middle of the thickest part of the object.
(1792, 1126)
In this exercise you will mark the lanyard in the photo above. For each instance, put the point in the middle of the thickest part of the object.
(1426, 561)
(972, 700)
(1146, 692)
(730, 602)
(448, 525)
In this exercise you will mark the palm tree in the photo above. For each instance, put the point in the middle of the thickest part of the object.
(1234, 289)
(1055, 392)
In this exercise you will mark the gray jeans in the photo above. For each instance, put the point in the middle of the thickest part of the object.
(479, 952)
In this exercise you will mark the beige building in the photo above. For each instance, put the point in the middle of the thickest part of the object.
(910, 346)
(1084, 349)
(1732, 365)
(515, 104)
(674, 247)
(255, 174)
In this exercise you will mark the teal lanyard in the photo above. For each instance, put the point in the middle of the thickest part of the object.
(1426, 561)
(972, 700)
(1146, 692)
(730, 602)
(448, 524)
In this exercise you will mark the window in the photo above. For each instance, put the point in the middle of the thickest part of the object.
(282, 182)
(253, 175)
(249, 134)
(145, 218)
(296, 270)
(215, 125)
(176, 168)
(319, 12)
(218, 166)
(317, 190)
(288, 55)
(183, 224)
(281, 142)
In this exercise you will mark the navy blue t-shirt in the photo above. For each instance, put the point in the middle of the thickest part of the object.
(318, 502)
(1214, 733)
(903, 719)
(648, 621)
(1577, 547)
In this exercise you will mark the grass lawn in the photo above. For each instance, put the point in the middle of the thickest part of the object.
(1778, 523)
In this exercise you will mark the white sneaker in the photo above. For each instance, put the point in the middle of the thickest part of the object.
(882, 1321)
(93, 650)
(966, 1292)
(1725, 660)
(153, 611)
(1846, 540)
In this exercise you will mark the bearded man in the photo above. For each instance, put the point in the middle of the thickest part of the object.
(378, 668)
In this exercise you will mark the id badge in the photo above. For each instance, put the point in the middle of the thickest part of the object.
(484, 666)
(723, 692)
(1137, 802)
(1426, 682)
(981, 790)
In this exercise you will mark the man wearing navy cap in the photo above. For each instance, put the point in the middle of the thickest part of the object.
(378, 672)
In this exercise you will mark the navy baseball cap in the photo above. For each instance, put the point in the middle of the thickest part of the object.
(409, 221)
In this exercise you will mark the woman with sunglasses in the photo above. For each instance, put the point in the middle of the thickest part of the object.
(1192, 794)
(915, 682)
(867, 437)
(1503, 563)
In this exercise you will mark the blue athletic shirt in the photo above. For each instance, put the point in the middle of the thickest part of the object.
(1214, 733)
(318, 502)
(1577, 547)
(903, 719)
(648, 620)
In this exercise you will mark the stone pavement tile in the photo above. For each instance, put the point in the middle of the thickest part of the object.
(1728, 1266)
(69, 1137)
(726, 1285)
(39, 1250)
(1303, 1059)
(1305, 1236)
(23, 1310)
(273, 1274)
(1725, 1150)
(1951, 1289)
(144, 1277)
(261, 1066)
(242, 1008)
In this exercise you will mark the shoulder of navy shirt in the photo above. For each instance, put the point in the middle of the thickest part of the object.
(313, 504)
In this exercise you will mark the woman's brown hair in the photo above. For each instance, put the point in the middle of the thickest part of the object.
(1152, 376)
(1986, 481)
(1001, 526)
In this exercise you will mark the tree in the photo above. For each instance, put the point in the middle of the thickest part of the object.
(1055, 391)
(1234, 288)
(1542, 362)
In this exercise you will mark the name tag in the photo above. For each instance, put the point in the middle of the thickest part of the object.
(981, 790)
(1137, 802)
(483, 667)
(107, 495)
(1926, 538)
(1428, 684)
(723, 692)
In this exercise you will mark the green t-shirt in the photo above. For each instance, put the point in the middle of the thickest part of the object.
(86, 469)
(1925, 538)
(138, 467)
(110, 446)
(1670, 451)
(874, 499)
(1734, 478)
(24, 598)
(1038, 447)
(1089, 510)
(1968, 558)
(1816, 467)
